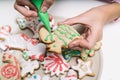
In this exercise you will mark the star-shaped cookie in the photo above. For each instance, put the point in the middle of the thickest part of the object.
(84, 68)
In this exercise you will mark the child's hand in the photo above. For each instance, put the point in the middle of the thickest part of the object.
(32, 11)
(94, 27)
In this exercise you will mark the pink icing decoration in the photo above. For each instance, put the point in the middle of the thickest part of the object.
(41, 57)
(24, 37)
(55, 64)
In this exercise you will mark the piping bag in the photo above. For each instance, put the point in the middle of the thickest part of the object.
(43, 15)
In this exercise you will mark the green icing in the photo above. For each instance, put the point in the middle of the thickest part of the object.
(68, 53)
(51, 37)
(83, 57)
(54, 45)
(88, 51)
(66, 44)
(25, 55)
(65, 31)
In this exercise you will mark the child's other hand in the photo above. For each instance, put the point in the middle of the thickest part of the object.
(93, 21)
(20, 5)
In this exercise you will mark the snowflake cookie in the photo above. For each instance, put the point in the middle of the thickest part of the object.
(83, 68)
(55, 64)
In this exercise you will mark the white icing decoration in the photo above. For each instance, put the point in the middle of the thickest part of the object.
(22, 42)
(36, 51)
(83, 68)
(52, 24)
(45, 77)
(34, 77)
(33, 23)
(71, 75)
(55, 64)
(28, 66)
(12, 40)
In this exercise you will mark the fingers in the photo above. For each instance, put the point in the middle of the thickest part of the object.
(46, 5)
(20, 6)
(81, 43)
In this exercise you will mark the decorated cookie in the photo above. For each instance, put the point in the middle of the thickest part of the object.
(69, 53)
(55, 64)
(97, 46)
(4, 31)
(83, 68)
(29, 46)
(34, 77)
(71, 75)
(9, 40)
(28, 66)
(9, 68)
(85, 52)
(46, 77)
(35, 51)
(59, 38)
(34, 24)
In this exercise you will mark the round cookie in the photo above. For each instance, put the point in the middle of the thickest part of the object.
(9, 68)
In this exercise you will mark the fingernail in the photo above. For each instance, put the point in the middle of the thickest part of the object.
(44, 9)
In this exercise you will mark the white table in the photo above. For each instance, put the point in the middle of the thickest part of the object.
(70, 8)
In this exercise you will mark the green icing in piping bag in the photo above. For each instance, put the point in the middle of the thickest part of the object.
(43, 15)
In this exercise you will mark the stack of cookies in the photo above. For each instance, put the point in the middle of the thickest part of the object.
(43, 55)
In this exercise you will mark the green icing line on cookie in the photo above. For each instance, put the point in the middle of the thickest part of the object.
(65, 30)
(66, 44)
(83, 57)
(51, 37)
(76, 33)
(88, 51)
(25, 55)
(54, 45)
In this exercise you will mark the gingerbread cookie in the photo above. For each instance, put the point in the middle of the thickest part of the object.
(9, 68)
(59, 38)
(34, 24)
(55, 64)
(83, 68)
(71, 75)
